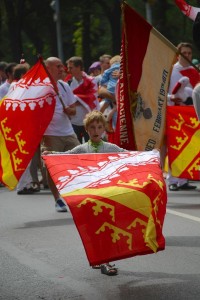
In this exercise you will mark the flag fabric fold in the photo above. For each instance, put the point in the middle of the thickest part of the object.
(188, 10)
(147, 59)
(25, 113)
(183, 142)
(87, 92)
(117, 200)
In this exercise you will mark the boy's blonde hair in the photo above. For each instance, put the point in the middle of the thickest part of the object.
(92, 116)
(115, 59)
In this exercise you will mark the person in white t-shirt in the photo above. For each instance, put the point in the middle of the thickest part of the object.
(84, 88)
(182, 68)
(60, 135)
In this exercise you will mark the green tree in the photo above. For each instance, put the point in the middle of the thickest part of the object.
(23, 29)
(89, 27)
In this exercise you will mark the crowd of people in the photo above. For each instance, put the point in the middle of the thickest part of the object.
(81, 93)
(86, 116)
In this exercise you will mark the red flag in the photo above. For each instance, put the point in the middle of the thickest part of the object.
(25, 113)
(118, 201)
(147, 58)
(124, 134)
(87, 92)
(188, 10)
(183, 139)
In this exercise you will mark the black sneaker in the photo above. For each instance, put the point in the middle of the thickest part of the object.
(35, 187)
(26, 191)
(187, 187)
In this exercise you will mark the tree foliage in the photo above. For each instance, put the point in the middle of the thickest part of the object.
(89, 28)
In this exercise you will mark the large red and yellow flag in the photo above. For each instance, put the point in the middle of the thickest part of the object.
(117, 200)
(183, 142)
(25, 112)
(147, 59)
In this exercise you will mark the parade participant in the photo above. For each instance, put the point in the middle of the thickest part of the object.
(109, 81)
(95, 69)
(95, 125)
(196, 100)
(4, 87)
(180, 69)
(84, 88)
(108, 84)
(59, 135)
(104, 64)
(3, 76)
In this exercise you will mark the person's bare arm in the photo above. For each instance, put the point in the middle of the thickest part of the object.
(70, 110)
(176, 100)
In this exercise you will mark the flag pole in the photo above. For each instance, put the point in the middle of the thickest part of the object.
(174, 48)
(52, 80)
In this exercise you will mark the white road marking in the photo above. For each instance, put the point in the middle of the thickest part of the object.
(186, 216)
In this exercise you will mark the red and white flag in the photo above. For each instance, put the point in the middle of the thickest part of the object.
(188, 10)
(147, 59)
(118, 201)
(87, 93)
(25, 113)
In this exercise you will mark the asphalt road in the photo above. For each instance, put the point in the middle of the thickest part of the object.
(42, 257)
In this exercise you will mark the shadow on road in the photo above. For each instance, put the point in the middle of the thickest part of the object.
(47, 223)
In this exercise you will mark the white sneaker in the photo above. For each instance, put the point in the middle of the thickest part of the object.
(60, 206)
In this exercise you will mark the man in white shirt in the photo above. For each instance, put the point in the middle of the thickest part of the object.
(59, 135)
(181, 68)
(84, 88)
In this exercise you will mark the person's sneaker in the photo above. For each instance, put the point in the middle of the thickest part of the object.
(35, 187)
(25, 191)
(173, 187)
(60, 206)
(187, 187)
